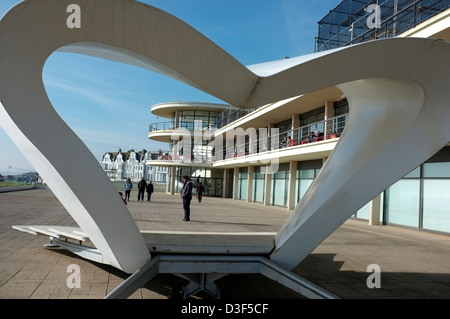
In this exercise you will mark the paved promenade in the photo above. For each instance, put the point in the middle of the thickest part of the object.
(413, 264)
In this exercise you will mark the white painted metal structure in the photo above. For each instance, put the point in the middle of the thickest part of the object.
(398, 92)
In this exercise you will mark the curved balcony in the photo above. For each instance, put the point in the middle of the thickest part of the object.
(161, 131)
(311, 141)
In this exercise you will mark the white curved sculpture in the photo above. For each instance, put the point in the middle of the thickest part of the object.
(397, 89)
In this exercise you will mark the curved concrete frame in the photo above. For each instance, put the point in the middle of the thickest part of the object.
(397, 88)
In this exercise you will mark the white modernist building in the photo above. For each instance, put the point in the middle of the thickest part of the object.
(397, 92)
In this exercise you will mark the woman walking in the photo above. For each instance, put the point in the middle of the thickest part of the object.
(128, 186)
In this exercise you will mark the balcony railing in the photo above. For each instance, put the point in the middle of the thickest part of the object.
(308, 134)
(161, 126)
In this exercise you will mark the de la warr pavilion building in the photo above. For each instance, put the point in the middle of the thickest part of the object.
(271, 154)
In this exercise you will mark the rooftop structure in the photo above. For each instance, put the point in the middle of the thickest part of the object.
(357, 21)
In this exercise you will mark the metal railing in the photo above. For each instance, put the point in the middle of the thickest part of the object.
(229, 116)
(161, 126)
(311, 133)
(395, 20)
(224, 118)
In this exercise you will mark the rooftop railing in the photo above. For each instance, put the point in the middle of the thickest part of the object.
(395, 19)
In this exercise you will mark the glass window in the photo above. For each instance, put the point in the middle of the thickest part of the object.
(302, 187)
(242, 183)
(279, 192)
(259, 183)
(436, 170)
(280, 186)
(436, 205)
(258, 190)
(414, 173)
(313, 116)
(305, 175)
(341, 107)
(402, 203)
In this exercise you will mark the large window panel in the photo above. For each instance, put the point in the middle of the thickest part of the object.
(242, 183)
(280, 191)
(280, 181)
(302, 187)
(436, 205)
(258, 186)
(436, 170)
(402, 204)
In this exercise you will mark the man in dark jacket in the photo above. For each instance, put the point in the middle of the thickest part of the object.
(142, 186)
(186, 195)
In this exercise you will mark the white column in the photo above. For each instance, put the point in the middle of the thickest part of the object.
(267, 187)
(329, 113)
(235, 183)
(291, 190)
(225, 183)
(375, 211)
(251, 169)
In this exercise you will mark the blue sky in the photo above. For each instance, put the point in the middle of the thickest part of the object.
(108, 104)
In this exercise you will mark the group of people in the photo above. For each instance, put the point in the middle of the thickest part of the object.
(186, 193)
(312, 137)
(143, 187)
(287, 142)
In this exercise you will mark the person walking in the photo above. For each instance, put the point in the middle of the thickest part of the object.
(142, 186)
(149, 190)
(127, 187)
(200, 189)
(186, 195)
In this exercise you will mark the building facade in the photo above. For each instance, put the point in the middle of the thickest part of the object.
(122, 165)
(270, 155)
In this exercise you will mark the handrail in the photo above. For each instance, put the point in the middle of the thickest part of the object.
(323, 130)
(160, 126)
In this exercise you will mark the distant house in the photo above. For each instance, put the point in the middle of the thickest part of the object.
(122, 165)
(1, 178)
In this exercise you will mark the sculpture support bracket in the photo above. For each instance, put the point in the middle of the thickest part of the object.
(202, 271)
